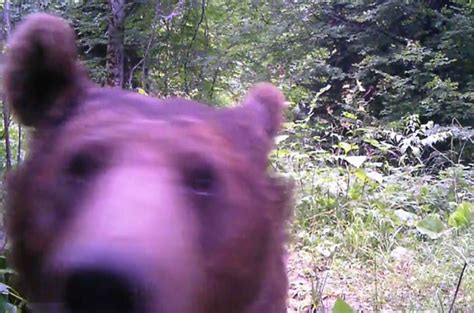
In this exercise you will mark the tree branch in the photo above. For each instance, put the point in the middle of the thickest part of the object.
(196, 30)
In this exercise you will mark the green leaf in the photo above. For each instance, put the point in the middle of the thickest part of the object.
(372, 141)
(355, 192)
(349, 115)
(341, 307)
(280, 153)
(462, 216)
(142, 92)
(347, 147)
(431, 226)
(361, 174)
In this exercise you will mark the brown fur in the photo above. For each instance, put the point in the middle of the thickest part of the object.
(170, 194)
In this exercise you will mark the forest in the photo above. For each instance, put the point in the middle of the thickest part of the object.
(378, 138)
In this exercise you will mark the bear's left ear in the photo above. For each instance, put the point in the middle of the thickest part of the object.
(42, 77)
(266, 103)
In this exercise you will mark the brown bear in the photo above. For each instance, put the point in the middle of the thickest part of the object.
(126, 203)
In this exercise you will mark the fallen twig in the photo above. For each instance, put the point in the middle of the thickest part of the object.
(457, 287)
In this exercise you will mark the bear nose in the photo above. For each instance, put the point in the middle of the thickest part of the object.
(94, 290)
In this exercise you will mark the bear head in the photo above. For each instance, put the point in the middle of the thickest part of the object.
(126, 203)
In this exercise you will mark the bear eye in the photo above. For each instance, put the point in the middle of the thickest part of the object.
(201, 180)
(84, 164)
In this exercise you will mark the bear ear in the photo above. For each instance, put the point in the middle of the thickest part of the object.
(41, 75)
(267, 103)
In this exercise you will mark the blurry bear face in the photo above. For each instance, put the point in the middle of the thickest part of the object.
(127, 203)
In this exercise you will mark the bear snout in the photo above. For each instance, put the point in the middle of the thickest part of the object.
(113, 291)
(97, 278)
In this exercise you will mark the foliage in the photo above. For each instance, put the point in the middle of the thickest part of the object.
(385, 58)
(341, 307)
(367, 212)
(462, 216)
(382, 59)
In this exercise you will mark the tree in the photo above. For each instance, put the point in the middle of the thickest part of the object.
(6, 113)
(115, 47)
(385, 58)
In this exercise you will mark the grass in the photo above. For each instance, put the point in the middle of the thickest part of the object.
(359, 240)
(420, 279)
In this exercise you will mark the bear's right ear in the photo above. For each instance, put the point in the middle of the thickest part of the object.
(42, 76)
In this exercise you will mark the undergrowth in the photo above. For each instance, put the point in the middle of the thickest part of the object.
(381, 236)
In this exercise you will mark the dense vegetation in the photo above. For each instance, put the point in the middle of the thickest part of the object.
(378, 140)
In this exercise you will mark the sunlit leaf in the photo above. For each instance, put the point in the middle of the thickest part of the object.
(432, 226)
(341, 307)
(142, 92)
(349, 115)
(462, 216)
(361, 174)
(347, 147)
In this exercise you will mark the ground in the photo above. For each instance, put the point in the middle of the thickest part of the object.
(403, 280)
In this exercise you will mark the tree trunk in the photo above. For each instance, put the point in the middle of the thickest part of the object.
(115, 47)
(5, 111)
